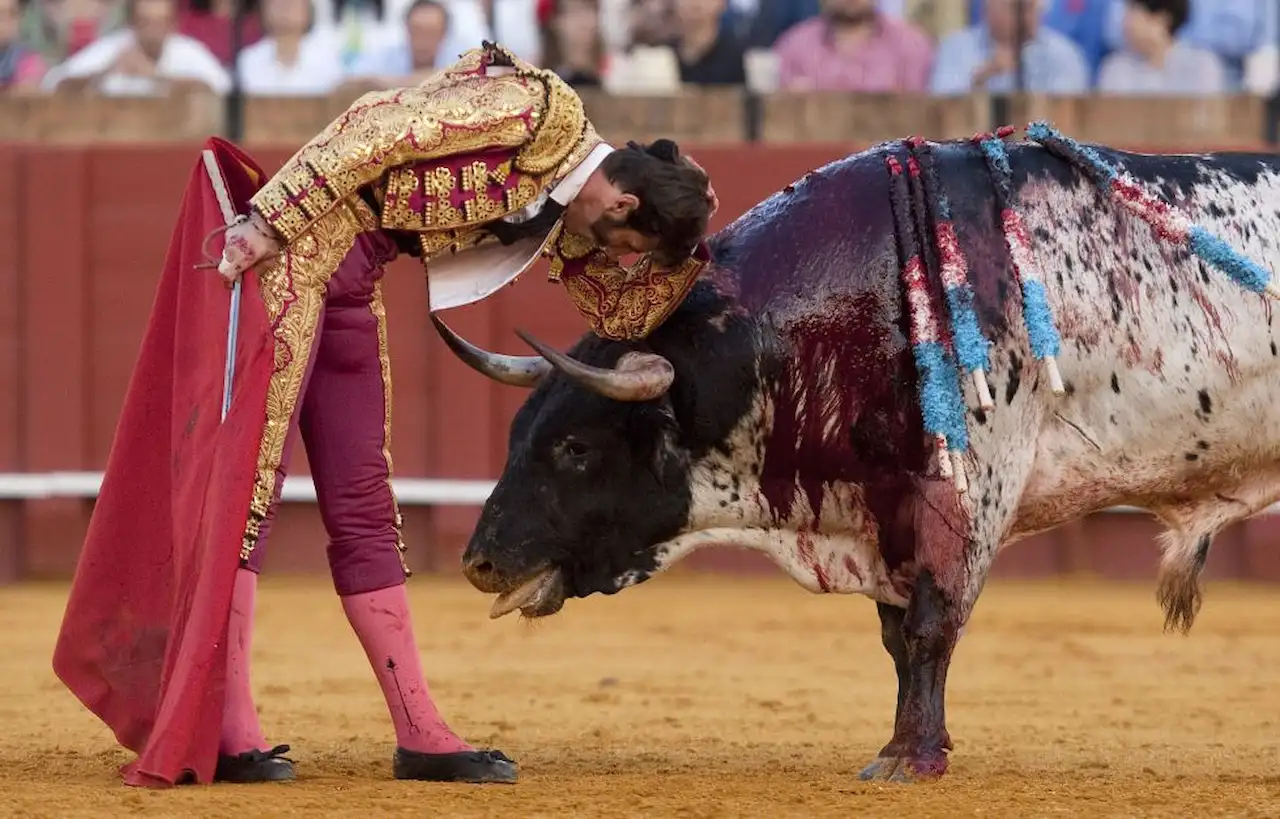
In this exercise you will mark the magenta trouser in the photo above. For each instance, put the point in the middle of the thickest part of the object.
(344, 417)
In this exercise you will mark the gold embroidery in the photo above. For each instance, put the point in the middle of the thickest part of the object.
(482, 200)
(400, 190)
(474, 176)
(384, 361)
(501, 173)
(462, 110)
(560, 128)
(626, 303)
(439, 182)
(293, 291)
(443, 214)
(587, 140)
(565, 246)
(436, 242)
(573, 246)
(317, 200)
(385, 129)
(550, 251)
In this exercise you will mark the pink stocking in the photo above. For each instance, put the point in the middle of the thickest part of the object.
(381, 621)
(241, 730)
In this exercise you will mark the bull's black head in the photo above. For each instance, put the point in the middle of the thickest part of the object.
(598, 463)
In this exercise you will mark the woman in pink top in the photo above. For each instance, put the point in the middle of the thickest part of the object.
(20, 67)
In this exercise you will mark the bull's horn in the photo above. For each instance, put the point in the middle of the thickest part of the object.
(638, 376)
(512, 370)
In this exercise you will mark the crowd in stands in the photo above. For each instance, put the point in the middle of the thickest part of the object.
(941, 47)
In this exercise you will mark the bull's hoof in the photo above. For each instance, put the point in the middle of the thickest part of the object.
(468, 766)
(924, 768)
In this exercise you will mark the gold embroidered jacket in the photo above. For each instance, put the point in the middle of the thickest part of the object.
(446, 158)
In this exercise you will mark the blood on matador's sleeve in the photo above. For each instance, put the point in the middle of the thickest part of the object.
(623, 303)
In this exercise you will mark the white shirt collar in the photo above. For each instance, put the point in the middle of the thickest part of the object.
(571, 185)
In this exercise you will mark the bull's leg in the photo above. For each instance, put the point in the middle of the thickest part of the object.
(921, 640)
(895, 642)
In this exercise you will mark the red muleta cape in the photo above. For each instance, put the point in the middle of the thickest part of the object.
(143, 639)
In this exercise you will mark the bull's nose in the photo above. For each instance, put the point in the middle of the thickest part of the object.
(481, 572)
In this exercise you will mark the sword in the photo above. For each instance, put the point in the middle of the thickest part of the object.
(233, 319)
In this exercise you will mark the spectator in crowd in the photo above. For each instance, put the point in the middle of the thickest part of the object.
(418, 57)
(1261, 69)
(937, 18)
(1084, 21)
(210, 21)
(1154, 61)
(709, 53)
(984, 56)
(357, 28)
(853, 46)
(572, 46)
(513, 23)
(59, 28)
(20, 67)
(291, 60)
(653, 22)
(1232, 29)
(146, 57)
(761, 22)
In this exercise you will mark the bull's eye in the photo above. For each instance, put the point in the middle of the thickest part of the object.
(572, 454)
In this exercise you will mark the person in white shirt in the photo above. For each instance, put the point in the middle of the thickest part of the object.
(145, 58)
(418, 57)
(1155, 60)
(291, 60)
(513, 23)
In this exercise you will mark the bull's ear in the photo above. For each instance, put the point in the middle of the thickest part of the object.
(668, 454)
(667, 412)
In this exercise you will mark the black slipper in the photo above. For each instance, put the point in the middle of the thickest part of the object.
(465, 766)
(255, 766)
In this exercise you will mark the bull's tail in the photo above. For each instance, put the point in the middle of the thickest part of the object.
(1181, 565)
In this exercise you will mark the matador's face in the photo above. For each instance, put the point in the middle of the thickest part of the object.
(619, 241)
(600, 213)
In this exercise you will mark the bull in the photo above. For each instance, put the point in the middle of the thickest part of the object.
(777, 408)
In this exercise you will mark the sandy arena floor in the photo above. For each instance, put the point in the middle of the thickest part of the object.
(698, 697)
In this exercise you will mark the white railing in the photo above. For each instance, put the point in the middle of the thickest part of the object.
(85, 485)
(409, 491)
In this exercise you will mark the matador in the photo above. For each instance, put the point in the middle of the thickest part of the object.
(479, 172)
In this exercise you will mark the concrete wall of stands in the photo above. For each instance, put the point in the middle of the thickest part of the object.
(85, 228)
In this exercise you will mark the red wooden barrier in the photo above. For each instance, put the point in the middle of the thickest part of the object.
(85, 234)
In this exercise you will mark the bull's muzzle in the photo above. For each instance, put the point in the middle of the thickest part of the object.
(638, 376)
(536, 594)
(481, 572)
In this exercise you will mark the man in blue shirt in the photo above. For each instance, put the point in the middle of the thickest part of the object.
(1084, 21)
(983, 56)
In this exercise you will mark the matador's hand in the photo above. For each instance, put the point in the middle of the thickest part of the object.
(248, 242)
